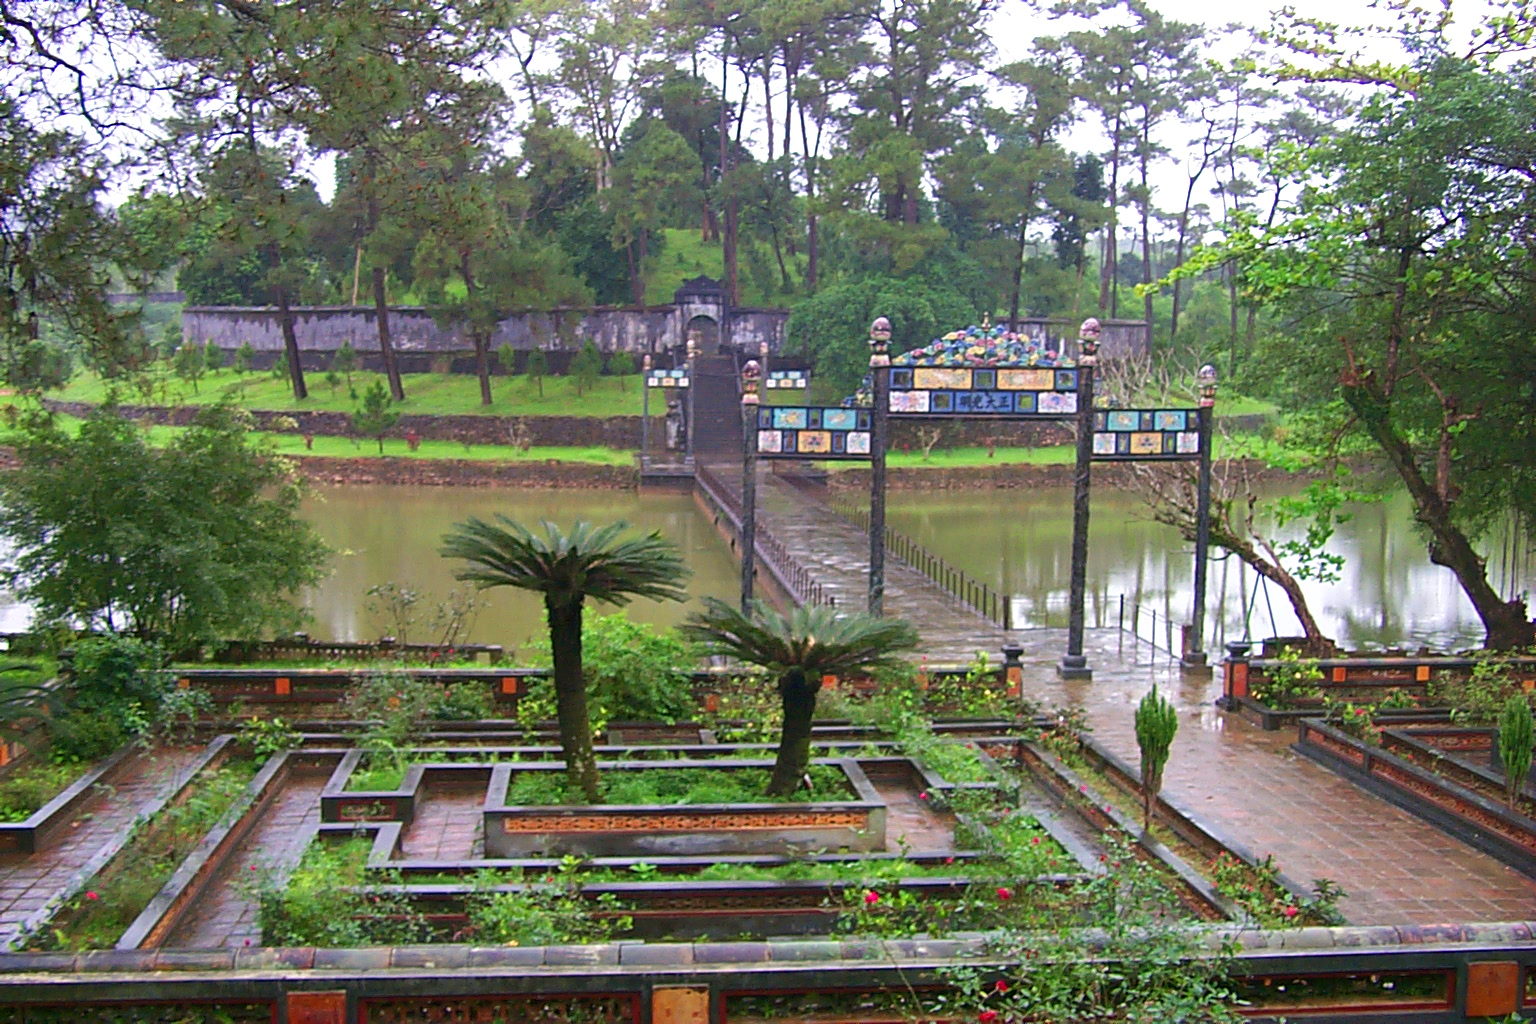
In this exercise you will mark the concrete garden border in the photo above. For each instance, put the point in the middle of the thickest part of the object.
(649, 830)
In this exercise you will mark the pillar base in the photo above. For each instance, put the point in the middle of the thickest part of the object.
(1074, 666)
(1194, 663)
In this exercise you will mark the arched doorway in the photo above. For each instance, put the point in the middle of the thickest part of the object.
(704, 332)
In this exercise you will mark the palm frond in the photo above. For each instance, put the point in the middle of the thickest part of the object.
(814, 638)
(568, 566)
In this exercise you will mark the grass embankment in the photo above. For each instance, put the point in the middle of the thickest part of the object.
(426, 394)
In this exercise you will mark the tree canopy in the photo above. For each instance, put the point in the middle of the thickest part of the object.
(186, 544)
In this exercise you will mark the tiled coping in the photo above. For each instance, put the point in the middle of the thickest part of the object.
(1517, 938)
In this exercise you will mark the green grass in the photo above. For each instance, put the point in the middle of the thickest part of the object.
(394, 447)
(432, 394)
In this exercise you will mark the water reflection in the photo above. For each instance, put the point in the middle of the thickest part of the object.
(1017, 541)
(391, 534)
(1388, 593)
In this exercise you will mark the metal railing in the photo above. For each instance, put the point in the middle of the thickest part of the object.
(971, 592)
(1150, 619)
(771, 552)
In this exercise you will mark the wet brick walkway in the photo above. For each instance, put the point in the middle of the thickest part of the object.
(448, 823)
(225, 916)
(99, 830)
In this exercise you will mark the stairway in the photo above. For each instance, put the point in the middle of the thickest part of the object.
(716, 407)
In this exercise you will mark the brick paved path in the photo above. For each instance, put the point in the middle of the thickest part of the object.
(225, 916)
(99, 830)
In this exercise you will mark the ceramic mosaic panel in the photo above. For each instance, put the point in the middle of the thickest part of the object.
(667, 379)
(813, 432)
(1146, 434)
(983, 392)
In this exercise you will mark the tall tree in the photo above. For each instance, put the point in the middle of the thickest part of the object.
(1404, 268)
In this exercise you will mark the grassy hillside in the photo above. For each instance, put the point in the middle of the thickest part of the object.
(427, 393)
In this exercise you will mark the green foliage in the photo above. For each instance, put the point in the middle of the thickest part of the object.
(190, 363)
(622, 365)
(345, 361)
(568, 568)
(1479, 697)
(462, 702)
(1515, 746)
(1143, 963)
(374, 417)
(550, 912)
(264, 737)
(115, 691)
(195, 541)
(26, 788)
(213, 356)
(832, 327)
(1156, 725)
(586, 367)
(395, 705)
(1258, 890)
(668, 786)
(633, 672)
(328, 901)
(816, 639)
(506, 358)
(245, 358)
(537, 369)
(1291, 677)
(1356, 718)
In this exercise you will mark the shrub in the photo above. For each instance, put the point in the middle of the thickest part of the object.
(115, 692)
(1515, 741)
(1289, 679)
(1156, 725)
(633, 673)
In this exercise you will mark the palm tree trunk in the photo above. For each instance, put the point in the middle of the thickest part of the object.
(571, 698)
(799, 699)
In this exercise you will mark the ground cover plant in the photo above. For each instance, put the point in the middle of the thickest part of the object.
(30, 785)
(670, 786)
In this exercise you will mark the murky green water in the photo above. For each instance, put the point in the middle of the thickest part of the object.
(391, 535)
(1018, 541)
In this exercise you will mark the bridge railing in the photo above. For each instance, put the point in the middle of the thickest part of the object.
(991, 605)
(793, 576)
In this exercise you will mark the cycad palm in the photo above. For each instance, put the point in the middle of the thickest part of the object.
(800, 648)
(568, 568)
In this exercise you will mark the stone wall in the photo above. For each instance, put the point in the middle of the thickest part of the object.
(419, 339)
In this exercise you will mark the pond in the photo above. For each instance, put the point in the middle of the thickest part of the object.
(1017, 541)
